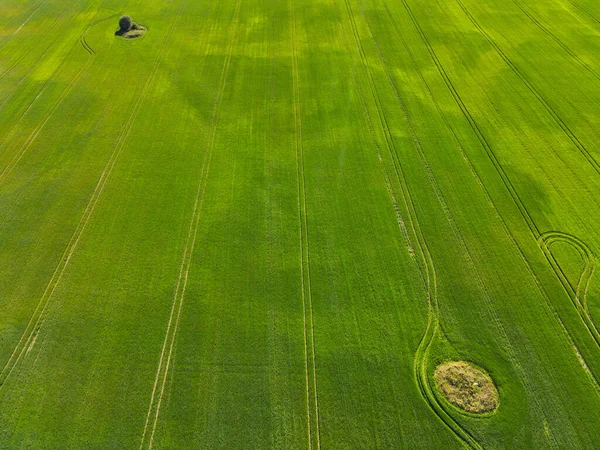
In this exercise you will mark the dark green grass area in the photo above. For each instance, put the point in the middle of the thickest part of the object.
(265, 224)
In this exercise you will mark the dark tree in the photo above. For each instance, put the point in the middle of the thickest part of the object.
(125, 23)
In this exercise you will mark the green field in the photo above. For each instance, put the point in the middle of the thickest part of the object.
(264, 223)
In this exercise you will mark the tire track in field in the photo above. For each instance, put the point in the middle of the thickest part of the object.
(584, 11)
(40, 126)
(36, 9)
(394, 198)
(388, 182)
(564, 127)
(32, 68)
(307, 308)
(578, 294)
(558, 120)
(460, 240)
(22, 191)
(506, 341)
(556, 39)
(9, 17)
(41, 39)
(33, 327)
(507, 184)
(165, 359)
(433, 323)
(82, 36)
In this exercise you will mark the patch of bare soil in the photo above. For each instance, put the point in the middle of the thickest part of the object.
(466, 387)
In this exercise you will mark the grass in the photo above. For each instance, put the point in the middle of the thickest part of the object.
(275, 225)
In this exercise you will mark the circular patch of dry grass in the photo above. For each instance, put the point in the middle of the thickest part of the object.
(466, 387)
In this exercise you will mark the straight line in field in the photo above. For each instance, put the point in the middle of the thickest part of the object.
(307, 309)
(555, 38)
(433, 181)
(37, 97)
(559, 121)
(32, 68)
(36, 9)
(584, 11)
(33, 327)
(178, 298)
(41, 39)
(40, 126)
(474, 126)
(487, 147)
(11, 10)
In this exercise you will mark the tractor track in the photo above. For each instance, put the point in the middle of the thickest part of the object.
(564, 46)
(578, 294)
(433, 322)
(41, 39)
(506, 342)
(33, 327)
(312, 401)
(40, 126)
(29, 16)
(585, 12)
(551, 111)
(525, 214)
(459, 237)
(166, 356)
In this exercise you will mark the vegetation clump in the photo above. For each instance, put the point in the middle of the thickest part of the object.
(129, 29)
(125, 23)
(466, 387)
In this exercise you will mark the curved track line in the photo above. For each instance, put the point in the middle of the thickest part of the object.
(433, 323)
(509, 186)
(308, 318)
(507, 344)
(177, 306)
(33, 327)
(578, 294)
(439, 194)
(461, 242)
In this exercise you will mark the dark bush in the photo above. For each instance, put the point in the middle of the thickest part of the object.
(129, 29)
(125, 23)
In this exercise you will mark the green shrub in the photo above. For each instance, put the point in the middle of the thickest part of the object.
(125, 23)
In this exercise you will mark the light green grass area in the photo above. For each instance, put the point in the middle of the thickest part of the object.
(264, 224)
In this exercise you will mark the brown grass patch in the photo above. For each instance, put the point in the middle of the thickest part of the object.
(466, 387)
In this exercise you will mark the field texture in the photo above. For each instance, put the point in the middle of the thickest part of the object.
(265, 223)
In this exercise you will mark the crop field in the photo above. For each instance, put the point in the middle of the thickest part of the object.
(268, 224)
